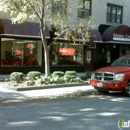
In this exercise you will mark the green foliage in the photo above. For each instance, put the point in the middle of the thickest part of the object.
(70, 73)
(52, 80)
(76, 80)
(88, 74)
(46, 80)
(17, 76)
(33, 75)
(35, 78)
(72, 79)
(29, 83)
(57, 74)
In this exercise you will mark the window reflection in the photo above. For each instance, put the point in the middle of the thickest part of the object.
(67, 54)
(16, 52)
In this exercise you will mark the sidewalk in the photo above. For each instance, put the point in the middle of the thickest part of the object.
(11, 93)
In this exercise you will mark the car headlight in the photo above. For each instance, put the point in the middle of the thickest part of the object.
(119, 77)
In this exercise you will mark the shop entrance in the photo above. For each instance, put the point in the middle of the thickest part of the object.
(88, 59)
(112, 53)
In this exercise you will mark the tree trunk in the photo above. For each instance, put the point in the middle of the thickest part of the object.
(46, 50)
(47, 60)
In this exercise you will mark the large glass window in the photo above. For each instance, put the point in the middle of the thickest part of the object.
(84, 10)
(16, 52)
(114, 13)
(67, 54)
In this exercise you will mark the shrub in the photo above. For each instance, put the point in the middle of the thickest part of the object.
(33, 75)
(88, 74)
(58, 80)
(46, 80)
(72, 79)
(57, 74)
(29, 83)
(17, 76)
(35, 78)
(70, 74)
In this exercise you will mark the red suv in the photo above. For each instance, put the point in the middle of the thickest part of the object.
(115, 77)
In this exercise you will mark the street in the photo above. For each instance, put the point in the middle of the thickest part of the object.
(93, 112)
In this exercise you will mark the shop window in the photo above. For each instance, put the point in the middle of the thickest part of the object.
(59, 6)
(84, 10)
(67, 54)
(114, 13)
(16, 52)
(124, 50)
(88, 56)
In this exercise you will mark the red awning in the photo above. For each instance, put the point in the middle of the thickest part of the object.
(119, 33)
(26, 29)
(96, 36)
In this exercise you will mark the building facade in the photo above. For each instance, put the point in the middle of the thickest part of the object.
(21, 48)
(113, 24)
(107, 14)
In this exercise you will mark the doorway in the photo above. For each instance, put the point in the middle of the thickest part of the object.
(112, 53)
(88, 59)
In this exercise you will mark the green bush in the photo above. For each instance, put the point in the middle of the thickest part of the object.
(70, 74)
(35, 78)
(88, 74)
(52, 80)
(57, 74)
(33, 75)
(17, 76)
(46, 80)
(29, 83)
(72, 79)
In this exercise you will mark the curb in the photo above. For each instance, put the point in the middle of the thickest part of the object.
(51, 86)
(65, 95)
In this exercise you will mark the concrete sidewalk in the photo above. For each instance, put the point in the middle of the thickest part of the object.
(10, 93)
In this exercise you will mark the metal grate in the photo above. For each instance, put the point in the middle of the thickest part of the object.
(105, 76)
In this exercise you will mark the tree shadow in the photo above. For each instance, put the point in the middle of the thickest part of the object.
(101, 112)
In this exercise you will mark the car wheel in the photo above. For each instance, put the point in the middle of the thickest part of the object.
(126, 91)
(101, 91)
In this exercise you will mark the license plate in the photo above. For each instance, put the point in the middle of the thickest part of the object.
(99, 85)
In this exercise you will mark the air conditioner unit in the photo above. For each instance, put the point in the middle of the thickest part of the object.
(92, 45)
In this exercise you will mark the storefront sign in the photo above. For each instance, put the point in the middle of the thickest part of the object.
(67, 51)
(30, 46)
(120, 37)
(17, 52)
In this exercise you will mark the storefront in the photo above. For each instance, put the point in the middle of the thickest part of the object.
(21, 47)
(67, 55)
(22, 50)
(116, 42)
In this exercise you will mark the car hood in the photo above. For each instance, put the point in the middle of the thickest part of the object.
(114, 69)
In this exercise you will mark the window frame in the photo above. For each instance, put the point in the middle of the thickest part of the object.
(112, 16)
(83, 9)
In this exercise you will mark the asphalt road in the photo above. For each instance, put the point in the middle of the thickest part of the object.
(93, 112)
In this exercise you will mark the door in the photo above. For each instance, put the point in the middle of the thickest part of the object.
(88, 61)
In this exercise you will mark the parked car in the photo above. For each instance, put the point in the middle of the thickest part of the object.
(115, 77)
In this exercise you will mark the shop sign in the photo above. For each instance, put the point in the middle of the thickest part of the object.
(17, 52)
(67, 51)
(30, 46)
(121, 37)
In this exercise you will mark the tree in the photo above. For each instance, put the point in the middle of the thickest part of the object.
(20, 10)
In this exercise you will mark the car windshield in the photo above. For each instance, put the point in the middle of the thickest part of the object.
(123, 61)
